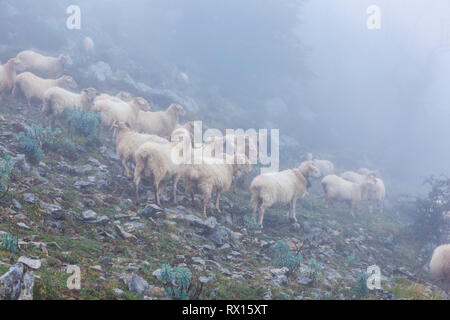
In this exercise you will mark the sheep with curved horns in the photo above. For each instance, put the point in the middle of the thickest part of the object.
(280, 188)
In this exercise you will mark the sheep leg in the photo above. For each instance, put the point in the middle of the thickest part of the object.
(12, 97)
(157, 198)
(261, 215)
(127, 169)
(29, 103)
(217, 202)
(174, 191)
(292, 210)
(380, 206)
(137, 180)
(352, 208)
(204, 200)
(327, 201)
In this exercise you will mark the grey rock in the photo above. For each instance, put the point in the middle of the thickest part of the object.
(88, 215)
(29, 197)
(220, 235)
(138, 285)
(11, 283)
(150, 211)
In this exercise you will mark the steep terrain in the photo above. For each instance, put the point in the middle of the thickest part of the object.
(78, 209)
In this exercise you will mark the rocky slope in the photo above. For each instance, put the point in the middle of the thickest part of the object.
(79, 210)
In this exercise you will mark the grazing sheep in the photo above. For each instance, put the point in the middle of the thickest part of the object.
(8, 75)
(335, 187)
(160, 162)
(121, 96)
(161, 123)
(208, 177)
(57, 100)
(440, 265)
(354, 177)
(378, 193)
(326, 167)
(367, 172)
(113, 109)
(128, 141)
(88, 47)
(49, 67)
(280, 188)
(33, 86)
(185, 131)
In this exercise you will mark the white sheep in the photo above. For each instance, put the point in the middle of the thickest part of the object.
(440, 265)
(56, 101)
(185, 131)
(88, 47)
(326, 167)
(8, 75)
(212, 175)
(161, 163)
(281, 188)
(161, 123)
(367, 172)
(44, 66)
(33, 86)
(378, 193)
(338, 188)
(114, 109)
(128, 141)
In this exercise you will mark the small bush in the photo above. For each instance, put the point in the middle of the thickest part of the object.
(35, 140)
(83, 122)
(177, 281)
(316, 269)
(251, 222)
(361, 284)
(5, 170)
(283, 257)
(10, 243)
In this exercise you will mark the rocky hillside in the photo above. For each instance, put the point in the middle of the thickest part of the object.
(75, 207)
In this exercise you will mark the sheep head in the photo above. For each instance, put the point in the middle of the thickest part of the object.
(65, 59)
(310, 169)
(142, 104)
(14, 65)
(125, 96)
(69, 82)
(177, 109)
(90, 94)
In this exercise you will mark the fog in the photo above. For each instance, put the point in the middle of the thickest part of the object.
(313, 69)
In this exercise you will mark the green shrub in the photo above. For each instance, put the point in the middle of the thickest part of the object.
(283, 257)
(177, 281)
(10, 243)
(251, 222)
(315, 269)
(361, 284)
(35, 140)
(5, 170)
(83, 122)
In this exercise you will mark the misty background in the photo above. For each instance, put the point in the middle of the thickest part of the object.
(359, 97)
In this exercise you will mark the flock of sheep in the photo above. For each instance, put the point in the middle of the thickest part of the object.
(152, 140)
